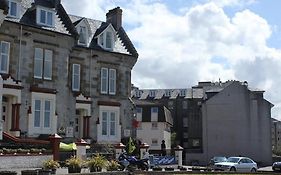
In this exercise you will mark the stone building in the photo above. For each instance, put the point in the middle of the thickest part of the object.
(153, 125)
(185, 108)
(276, 134)
(65, 74)
(228, 119)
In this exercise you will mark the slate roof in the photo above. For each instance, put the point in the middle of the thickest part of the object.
(190, 93)
(65, 24)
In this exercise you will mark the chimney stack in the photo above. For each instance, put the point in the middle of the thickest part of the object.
(56, 2)
(114, 17)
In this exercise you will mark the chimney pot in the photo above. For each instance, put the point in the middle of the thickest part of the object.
(114, 16)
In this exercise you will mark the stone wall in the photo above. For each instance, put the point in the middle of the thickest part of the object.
(10, 162)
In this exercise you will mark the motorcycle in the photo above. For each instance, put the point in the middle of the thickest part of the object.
(131, 163)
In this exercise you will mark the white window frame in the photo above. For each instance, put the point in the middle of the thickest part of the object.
(47, 61)
(154, 142)
(45, 23)
(42, 62)
(42, 129)
(43, 111)
(74, 86)
(104, 79)
(5, 54)
(112, 81)
(17, 9)
(108, 122)
(38, 62)
(139, 114)
(108, 41)
(154, 114)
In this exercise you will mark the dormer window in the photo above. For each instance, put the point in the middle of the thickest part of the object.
(84, 30)
(82, 35)
(13, 9)
(45, 17)
(107, 38)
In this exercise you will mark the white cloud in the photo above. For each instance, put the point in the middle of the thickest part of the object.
(178, 50)
(241, 3)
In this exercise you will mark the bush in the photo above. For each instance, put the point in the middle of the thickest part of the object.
(96, 163)
(74, 162)
(113, 165)
(50, 164)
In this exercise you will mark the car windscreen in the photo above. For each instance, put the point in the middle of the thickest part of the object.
(233, 159)
(220, 159)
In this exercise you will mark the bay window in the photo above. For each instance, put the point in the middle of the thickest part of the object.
(43, 117)
(108, 123)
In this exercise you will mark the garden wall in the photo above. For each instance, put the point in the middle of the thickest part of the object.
(26, 161)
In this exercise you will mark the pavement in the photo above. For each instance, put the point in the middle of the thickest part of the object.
(86, 170)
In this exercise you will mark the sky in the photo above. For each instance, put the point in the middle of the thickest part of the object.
(182, 42)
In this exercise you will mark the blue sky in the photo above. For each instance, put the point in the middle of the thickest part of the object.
(181, 42)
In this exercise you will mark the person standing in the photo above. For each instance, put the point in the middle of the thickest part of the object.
(163, 148)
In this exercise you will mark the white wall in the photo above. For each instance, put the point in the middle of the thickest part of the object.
(146, 134)
(11, 162)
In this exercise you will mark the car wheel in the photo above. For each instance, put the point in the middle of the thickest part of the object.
(253, 170)
(232, 169)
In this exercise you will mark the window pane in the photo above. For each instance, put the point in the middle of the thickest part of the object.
(4, 57)
(37, 113)
(112, 123)
(4, 63)
(104, 80)
(50, 18)
(47, 114)
(112, 81)
(13, 9)
(38, 62)
(82, 35)
(76, 77)
(108, 40)
(48, 64)
(104, 123)
(139, 110)
(154, 109)
(43, 16)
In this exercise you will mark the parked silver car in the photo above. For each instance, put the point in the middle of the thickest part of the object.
(240, 164)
